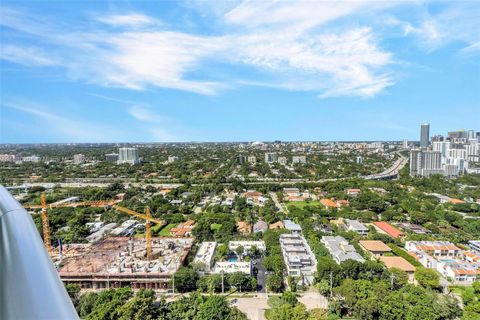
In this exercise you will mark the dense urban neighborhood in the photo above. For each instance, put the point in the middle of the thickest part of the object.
(279, 230)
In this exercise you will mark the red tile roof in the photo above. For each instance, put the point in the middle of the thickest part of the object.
(328, 203)
(388, 229)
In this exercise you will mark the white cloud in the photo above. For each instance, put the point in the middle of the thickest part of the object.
(128, 20)
(29, 56)
(145, 114)
(336, 63)
(289, 44)
(300, 15)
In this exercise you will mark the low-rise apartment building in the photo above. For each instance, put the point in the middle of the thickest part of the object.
(298, 257)
(340, 249)
(356, 226)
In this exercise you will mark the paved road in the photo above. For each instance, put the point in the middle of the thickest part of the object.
(280, 206)
(254, 307)
(261, 276)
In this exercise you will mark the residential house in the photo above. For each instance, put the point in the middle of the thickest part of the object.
(387, 228)
(260, 226)
(276, 225)
(375, 248)
(244, 227)
(399, 263)
(184, 229)
(353, 192)
(329, 204)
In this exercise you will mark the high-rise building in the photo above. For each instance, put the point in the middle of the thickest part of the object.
(415, 162)
(241, 159)
(252, 159)
(78, 158)
(425, 162)
(442, 146)
(457, 153)
(271, 157)
(432, 160)
(111, 157)
(359, 159)
(437, 138)
(424, 135)
(31, 159)
(405, 144)
(470, 134)
(7, 157)
(451, 170)
(282, 161)
(172, 159)
(299, 159)
(128, 155)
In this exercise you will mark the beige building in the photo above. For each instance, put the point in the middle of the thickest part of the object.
(375, 248)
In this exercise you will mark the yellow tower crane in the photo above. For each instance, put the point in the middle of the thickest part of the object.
(148, 219)
(45, 223)
(46, 228)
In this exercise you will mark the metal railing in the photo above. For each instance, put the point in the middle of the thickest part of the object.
(30, 287)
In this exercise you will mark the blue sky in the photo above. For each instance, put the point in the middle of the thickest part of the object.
(165, 71)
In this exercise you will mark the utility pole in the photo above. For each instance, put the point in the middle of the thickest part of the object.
(391, 280)
(223, 287)
(331, 284)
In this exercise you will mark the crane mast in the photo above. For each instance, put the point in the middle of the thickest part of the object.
(148, 234)
(45, 223)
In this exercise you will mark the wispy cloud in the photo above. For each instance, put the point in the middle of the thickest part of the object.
(290, 45)
(157, 127)
(29, 56)
(145, 114)
(70, 128)
(128, 20)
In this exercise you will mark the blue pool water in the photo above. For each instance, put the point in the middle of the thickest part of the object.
(233, 259)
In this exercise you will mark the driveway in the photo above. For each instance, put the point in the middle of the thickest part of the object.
(253, 307)
(261, 276)
(313, 300)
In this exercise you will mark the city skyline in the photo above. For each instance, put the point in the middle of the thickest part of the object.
(174, 72)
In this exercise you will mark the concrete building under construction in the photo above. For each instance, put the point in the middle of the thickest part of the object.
(120, 261)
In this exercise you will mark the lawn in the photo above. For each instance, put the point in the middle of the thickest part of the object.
(458, 289)
(215, 226)
(302, 204)
(165, 232)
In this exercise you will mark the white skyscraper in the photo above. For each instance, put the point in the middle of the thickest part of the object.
(128, 155)
(425, 163)
(457, 153)
(442, 146)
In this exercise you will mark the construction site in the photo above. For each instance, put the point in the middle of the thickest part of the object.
(122, 261)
